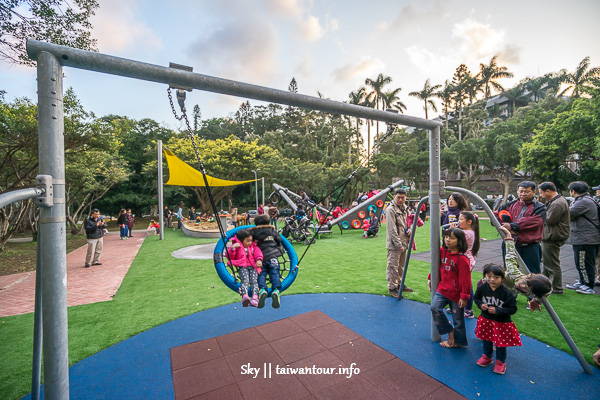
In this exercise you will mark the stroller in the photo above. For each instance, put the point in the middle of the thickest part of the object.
(298, 231)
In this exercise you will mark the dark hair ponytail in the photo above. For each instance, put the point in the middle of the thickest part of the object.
(469, 216)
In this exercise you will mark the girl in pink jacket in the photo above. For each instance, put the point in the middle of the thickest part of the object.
(247, 257)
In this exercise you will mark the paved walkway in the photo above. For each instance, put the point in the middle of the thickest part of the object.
(84, 285)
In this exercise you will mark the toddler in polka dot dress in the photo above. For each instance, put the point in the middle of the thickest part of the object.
(494, 325)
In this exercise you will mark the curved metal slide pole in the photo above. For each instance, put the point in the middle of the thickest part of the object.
(410, 243)
(563, 331)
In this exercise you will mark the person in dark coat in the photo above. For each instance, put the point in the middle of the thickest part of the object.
(585, 236)
(94, 231)
(556, 232)
(270, 243)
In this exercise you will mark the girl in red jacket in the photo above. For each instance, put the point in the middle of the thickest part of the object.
(246, 255)
(454, 288)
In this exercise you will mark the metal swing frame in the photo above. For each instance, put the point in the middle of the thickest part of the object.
(51, 59)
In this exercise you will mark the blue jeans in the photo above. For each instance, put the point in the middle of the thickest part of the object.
(123, 231)
(441, 322)
(274, 222)
(270, 267)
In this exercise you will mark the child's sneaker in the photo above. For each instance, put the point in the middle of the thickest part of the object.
(484, 361)
(275, 297)
(500, 367)
(262, 296)
(469, 314)
(254, 301)
(245, 300)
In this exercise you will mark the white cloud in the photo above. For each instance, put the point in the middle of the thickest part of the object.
(310, 29)
(120, 30)
(333, 24)
(303, 66)
(363, 68)
(285, 8)
(472, 43)
(241, 49)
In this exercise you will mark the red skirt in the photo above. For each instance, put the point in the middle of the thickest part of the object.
(502, 334)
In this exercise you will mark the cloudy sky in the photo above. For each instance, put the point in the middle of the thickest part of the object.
(329, 46)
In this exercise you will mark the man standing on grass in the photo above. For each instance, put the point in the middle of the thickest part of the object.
(556, 232)
(597, 200)
(528, 216)
(398, 235)
(585, 236)
(94, 230)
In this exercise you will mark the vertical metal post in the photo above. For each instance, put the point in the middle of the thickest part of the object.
(52, 228)
(434, 212)
(38, 332)
(161, 221)
(255, 190)
(263, 190)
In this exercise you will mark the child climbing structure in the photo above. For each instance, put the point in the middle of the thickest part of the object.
(351, 219)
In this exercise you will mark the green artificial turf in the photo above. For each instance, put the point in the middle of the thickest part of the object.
(159, 288)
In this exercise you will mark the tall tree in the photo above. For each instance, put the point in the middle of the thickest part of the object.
(426, 94)
(378, 94)
(460, 93)
(488, 74)
(64, 22)
(392, 100)
(446, 96)
(581, 79)
(357, 98)
(516, 95)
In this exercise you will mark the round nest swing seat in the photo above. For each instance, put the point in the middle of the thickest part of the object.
(288, 263)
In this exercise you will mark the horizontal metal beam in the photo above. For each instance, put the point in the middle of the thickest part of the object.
(18, 195)
(98, 62)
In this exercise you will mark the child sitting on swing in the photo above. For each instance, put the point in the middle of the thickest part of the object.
(269, 242)
(247, 257)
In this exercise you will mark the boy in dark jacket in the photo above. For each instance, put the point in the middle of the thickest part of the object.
(269, 242)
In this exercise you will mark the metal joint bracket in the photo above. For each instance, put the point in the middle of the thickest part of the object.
(44, 182)
(180, 87)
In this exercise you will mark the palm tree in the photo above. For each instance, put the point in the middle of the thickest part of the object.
(488, 75)
(580, 80)
(377, 94)
(426, 94)
(460, 92)
(446, 96)
(494, 111)
(516, 95)
(392, 100)
(357, 97)
(472, 86)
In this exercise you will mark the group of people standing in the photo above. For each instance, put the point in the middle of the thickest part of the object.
(533, 230)
(125, 219)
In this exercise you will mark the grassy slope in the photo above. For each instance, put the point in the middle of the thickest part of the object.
(159, 288)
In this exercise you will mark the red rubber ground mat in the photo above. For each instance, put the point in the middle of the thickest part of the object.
(302, 357)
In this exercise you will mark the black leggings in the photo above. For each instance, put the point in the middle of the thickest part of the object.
(488, 350)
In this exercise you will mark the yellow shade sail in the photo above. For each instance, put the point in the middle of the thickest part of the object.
(181, 174)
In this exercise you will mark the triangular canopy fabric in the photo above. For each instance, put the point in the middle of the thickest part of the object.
(181, 174)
